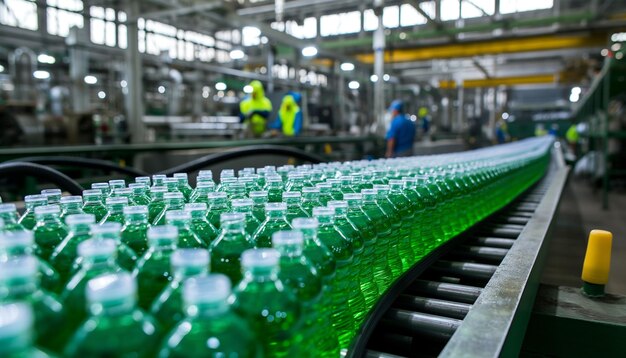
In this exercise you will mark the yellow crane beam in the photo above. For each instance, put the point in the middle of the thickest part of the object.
(502, 81)
(513, 45)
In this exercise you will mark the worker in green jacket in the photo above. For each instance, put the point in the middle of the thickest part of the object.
(255, 109)
(289, 119)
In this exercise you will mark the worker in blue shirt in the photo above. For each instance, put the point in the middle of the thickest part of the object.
(401, 133)
(289, 119)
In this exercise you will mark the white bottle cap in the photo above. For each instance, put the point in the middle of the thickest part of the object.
(206, 289)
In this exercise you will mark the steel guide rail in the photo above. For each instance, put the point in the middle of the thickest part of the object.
(472, 296)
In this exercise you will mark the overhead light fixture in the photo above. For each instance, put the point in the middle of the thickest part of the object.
(574, 97)
(123, 83)
(161, 89)
(251, 31)
(237, 54)
(41, 75)
(347, 66)
(374, 78)
(354, 85)
(576, 90)
(402, 36)
(1, 68)
(220, 86)
(386, 77)
(102, 95)
(505, 116)
(309, 51)
(247, 89)
(90, 80)
(45, 58)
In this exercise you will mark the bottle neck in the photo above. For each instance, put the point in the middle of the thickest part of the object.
(18, 288)
(8, 218)
(275, 215)
(48, 219)
(72, 207)
(115, 209)
(92, 200)
(162, 245)
(114, 307)
(233, 227)
(136, 219)
(261, 274)
(324, 220)
(90, 262)
(207, 309)
(184, 272)
(79, 229)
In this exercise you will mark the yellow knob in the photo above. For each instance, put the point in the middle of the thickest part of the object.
(598, 257)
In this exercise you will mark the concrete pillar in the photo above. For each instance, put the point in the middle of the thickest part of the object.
(340, 116)
(460, 109)
(134, 76)
(79, 67)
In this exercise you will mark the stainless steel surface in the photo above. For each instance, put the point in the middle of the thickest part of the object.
(514, 283)
(422, 323)
(434, 306)
(452, 291)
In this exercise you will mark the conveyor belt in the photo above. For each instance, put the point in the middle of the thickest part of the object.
(437, 307)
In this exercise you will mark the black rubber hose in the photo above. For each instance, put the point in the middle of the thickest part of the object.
(84, 163)
(62, 181)
(216, 158)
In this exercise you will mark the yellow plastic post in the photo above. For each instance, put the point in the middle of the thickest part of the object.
(597, 263)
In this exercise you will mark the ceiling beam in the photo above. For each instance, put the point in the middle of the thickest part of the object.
(181, 11)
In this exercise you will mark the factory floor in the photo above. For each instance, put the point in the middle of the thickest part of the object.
(581, 211)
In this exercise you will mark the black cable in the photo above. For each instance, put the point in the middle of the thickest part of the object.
(216, 158)
(10, 170)
(84, 163)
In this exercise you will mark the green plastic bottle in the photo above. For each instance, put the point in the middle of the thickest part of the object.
(168, 307)
(8, 214)
(211, 328)
(139, 193)
(104, 188)
(361, 265)
(157, 202)
(269, 308)
(325, 193)
(115, 327)
(158, 180)
(19, 283)
(52, 195)
(231, 242)
(64, 254)
(173, 201)
(134, 233)
(199, 223)
(201, 192)
(117, 184)
(115, 210)
(335, 191)
(300, 275)
(187, 238)
(153, 270)
(366, 228)
(143, 180)
(71, 205)
(390, 237)
(275, 221)
(124, 193)
(348, 299)
(245, 207)
(183, 184)
(260, 198)
(324, 342)
(236, 190)
(92, 203)
(218, 204)
(404, 208)
(295, 181)
(27, 220)
(172, 185)
(16, 332)
(49, 231)
(22, 243)
(293, 199)
(126, 257)
(97, 257)
(274, 188)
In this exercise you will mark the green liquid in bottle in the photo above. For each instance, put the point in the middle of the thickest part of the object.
(134, 233)
(186, 263)
(231, 242)
(116, 327)
(16, 332)
(199, 224)
(92, 204)
(153, 270)
(49, 231)
(65, 253)
(27, 220)
(187, 238)
(275, 221)
(262, 300)
(210, 328)
(19, 283)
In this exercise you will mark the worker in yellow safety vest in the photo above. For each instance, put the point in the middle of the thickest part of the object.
(572, 137)
(289, 119)
(255, 109)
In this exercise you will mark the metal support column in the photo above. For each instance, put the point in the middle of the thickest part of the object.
(460, 113)
(340, 117)
(379, 69)
(134, 71)
(270, 69)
